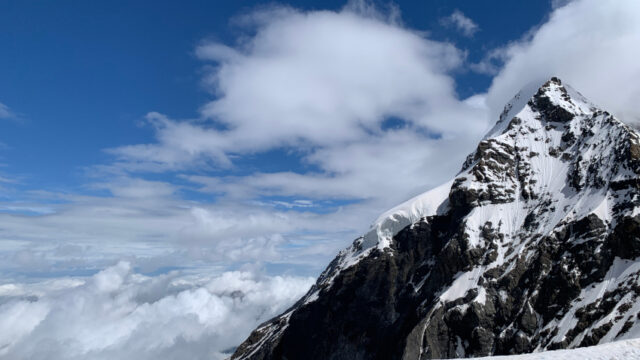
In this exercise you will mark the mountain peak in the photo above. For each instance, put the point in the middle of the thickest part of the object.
(559, 103)
(556, 101)
(533, 245)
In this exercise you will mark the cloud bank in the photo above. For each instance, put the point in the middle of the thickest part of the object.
(119, 314)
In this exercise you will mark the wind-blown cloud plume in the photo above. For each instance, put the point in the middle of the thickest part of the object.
(590, 44)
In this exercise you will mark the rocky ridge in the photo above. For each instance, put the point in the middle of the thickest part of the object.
(533, 246)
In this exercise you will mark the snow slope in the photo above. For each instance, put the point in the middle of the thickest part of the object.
(619, 350)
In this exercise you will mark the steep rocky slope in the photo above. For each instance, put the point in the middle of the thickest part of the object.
(531, 247)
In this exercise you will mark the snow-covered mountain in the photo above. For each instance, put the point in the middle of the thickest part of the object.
(533, 246)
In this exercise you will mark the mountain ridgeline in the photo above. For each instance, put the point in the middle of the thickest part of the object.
(531, 247)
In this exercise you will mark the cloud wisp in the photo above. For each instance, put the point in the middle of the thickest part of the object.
(459, 21)
(5, 112)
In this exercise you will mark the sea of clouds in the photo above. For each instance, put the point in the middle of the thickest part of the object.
(120, 314)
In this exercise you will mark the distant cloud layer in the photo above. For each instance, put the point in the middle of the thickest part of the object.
(118, 314)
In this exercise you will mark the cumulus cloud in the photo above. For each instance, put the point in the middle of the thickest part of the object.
(327, 78)
(460, 22)
(306, 80)
(591, 44)
(120, 314)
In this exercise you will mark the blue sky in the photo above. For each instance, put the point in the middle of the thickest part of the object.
(82, 75)
(79, 79)
(158, 157)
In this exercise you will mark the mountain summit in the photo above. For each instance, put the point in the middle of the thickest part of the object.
(531, 247)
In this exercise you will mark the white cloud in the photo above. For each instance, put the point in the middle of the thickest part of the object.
(327, 78)
(461, 22)
(119, 314)
(591, 44)
(360, 170)
(180, 145)
(306, 80)
(140, 223)
(492, 62)
(127, 187)
(368, 9)
(150, 223)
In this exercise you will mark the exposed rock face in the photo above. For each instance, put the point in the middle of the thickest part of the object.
(532, 246)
